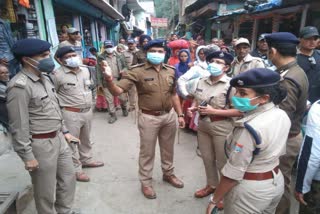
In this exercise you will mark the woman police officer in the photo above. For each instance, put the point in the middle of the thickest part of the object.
(251, 181)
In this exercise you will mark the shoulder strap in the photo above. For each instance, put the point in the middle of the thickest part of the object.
(295, 83)
(255, 137)
(228, 96)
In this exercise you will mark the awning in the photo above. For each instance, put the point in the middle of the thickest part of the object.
(134, 5)
(107, 9)
(84, 8)
(197, 5)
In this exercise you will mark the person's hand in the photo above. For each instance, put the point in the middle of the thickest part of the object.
(182, 123)
(31, 165)
(69, 138)
(191, 110)
(190, 64)
(106, 70)
(206, 110)
(4, 61)
(299, 197)
(210, 207)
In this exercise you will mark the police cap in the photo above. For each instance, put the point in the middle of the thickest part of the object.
(108, 43)
(131, 41)
(255, 78)
(64, 50)
(228, 58)
(30, 47)
(155, 43)
(308, 32)
(282, 38)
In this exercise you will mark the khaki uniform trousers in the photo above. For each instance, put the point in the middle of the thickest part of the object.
(211, 139)
(54, 183)
(286, 164)
(255, 196)
(79, 125)
(109, 97)
(152, 128)
(132, 93)
(5, 140)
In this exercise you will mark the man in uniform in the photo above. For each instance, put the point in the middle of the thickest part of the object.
(140, 56)
(5, 137)
(116, 64)
(262, 52)
(244, 61)
(38, 130)
(128, 57)
(73, 41)
(309, 60)
(282, 53)
(73, 86)
(157, 120)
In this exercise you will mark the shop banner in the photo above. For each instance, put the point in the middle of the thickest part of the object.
(159, 22)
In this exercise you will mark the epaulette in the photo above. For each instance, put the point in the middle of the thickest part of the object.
(169, 66)
(136, 66)
(21, 81)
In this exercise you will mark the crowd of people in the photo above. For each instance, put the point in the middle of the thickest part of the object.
(254, 114)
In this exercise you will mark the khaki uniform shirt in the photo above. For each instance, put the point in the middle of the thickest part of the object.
(295, 103)
(33, 108)
(77, 47)
(139, 57)
(272, 126)
(155, 89)
(73, 89)
(247, 63)
(128, 57)
(215, 94)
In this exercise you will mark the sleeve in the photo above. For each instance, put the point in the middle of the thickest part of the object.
(182, 81)
(124, 66)
(289, 104)
(99, 73)
(53, 77)
(240, 156)
(17, 104)
(309, 157)
(135, 59)
(260, 64)
(128, 80)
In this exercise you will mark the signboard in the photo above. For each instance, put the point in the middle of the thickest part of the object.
(159, 22)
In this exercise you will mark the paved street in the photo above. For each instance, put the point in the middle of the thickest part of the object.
(115, 188)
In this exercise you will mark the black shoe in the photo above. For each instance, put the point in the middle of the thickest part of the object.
(112, 119)
(125, 112)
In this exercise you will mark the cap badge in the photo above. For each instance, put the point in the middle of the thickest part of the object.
(221, 55)
(240, 82)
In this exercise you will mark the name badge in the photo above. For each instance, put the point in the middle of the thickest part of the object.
(198, 89)
(42, 98)
(72, 84)
(149, 79)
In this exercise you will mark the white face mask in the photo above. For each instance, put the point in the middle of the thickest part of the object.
(73, 62)
(109, 50)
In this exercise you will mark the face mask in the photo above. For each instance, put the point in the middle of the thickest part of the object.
(109, 50)
(215, 69)
(44, 65)
(243, 103)
(155, 58)
(73, 62)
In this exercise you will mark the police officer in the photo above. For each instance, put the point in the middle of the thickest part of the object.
(116, 64)
(128, 57)
(39, 133)
(215, 123)
(262, 52)
(308, 59)
(5, 137)
(73, 40)
(308, 176)
(244, 61)
(156, 120)
(140, 56)
(73, 86)
(251, 181)
(282, 53)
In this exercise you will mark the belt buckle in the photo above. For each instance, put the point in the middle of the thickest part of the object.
(84, 110)
(162, 113)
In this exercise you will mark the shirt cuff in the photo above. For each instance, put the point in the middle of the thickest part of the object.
(27, 156)
(232, 172)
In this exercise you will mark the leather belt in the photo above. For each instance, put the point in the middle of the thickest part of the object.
(76, 109)
(260, 176)
(154, 113)
(45, 135)
(217, 118)
(293, 135)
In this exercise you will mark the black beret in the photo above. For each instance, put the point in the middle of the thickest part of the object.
(282, 38)
(64, 50)
(30, 47)
(255, 78)
(155, 43)
(228, 58)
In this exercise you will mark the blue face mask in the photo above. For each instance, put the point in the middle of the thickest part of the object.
(215, 69)
(155, 58)
(243, 103)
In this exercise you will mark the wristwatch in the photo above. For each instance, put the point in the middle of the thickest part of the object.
(181, 115)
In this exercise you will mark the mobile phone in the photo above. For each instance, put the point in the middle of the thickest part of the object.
(74, 141)
(203, 103)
